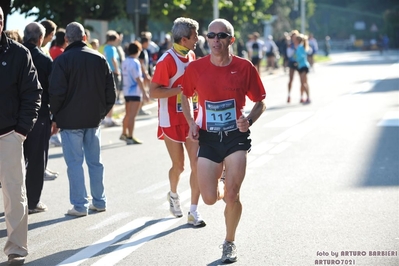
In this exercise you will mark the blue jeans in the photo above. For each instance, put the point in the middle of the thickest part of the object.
(76, 145)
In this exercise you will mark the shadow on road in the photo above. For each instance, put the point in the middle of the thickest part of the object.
(384, 162)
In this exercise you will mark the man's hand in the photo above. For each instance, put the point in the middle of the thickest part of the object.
(193, 132)
(243, 124)
(54, 128)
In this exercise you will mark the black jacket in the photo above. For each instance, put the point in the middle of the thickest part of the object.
(20, 89)
(82, 88)
(43, 64)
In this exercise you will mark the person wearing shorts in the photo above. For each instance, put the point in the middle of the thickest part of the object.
(255, 48)
(172, 127)
(292, 64)
(134, 91)
(301, 48)
(220, 127)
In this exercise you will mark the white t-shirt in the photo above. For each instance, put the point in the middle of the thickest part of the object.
(131, 70)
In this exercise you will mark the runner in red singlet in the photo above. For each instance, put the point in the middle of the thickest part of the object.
(173, 127)
(222, 81)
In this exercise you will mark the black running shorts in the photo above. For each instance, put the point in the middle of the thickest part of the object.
(217, 146)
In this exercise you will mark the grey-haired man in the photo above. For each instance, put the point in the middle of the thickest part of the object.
(82, 91)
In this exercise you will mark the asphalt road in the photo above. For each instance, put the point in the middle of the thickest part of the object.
(322, 184)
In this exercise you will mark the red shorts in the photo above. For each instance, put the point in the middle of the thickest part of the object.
(177, 133)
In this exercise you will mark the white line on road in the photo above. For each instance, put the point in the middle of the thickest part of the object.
(136, 242)
(110, 220)
(103, 243)
(390, 119)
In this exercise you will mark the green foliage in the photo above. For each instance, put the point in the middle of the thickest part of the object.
(63, 12)
(337, 18)
(324, 17)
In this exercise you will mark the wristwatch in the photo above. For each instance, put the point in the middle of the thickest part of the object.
(250, 121)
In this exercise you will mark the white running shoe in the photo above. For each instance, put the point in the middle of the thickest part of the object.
(94, 208)
(50, 175)
(74, 212)
(174, 206)
(229, 254)
(195, 219)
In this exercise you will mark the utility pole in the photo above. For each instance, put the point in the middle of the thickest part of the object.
(215, 9)
(303, 16)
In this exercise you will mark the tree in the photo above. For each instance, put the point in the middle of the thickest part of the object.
(63, 12)
(336, 18)
(239, 12)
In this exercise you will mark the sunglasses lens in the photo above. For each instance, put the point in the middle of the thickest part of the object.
(220, 35)
(211, 35)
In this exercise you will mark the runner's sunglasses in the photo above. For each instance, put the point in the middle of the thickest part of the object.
(220, 35)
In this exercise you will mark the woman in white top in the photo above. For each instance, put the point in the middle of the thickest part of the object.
(133, 90)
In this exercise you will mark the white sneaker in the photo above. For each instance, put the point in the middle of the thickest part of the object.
(40, 207)
(174, 205)
(74, 212)
(50, 175)
(195, 219)
(94, 208)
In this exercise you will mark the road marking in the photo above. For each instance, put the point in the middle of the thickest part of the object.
(110, 220)
(103, 243)
(390, 119)
(136, 242)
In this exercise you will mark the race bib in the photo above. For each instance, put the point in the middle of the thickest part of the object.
(179, 107)
(220, 116)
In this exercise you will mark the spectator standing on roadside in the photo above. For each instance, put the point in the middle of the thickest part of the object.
(134, 92)
(51, 28)
(55, 139)
(14, 35)
(82, 92)
(313, 48)
(122, 56)
(20, 100)
(282, 48)
(172, 126)
(255, 50)
(292, 64)
(166, 45)
(152, 49)
(301, 47)
(271, 53)
(111, 54)
(327, 46)
(59, 44)
(95, 44)
(144, 59)
(36, 144)
(199, 48)
(220, 127)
